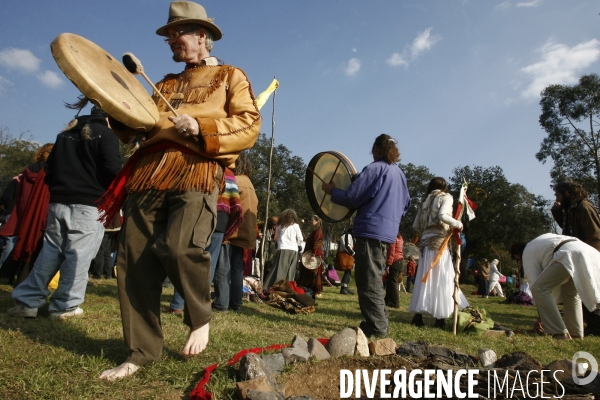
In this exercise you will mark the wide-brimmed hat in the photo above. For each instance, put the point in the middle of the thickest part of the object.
(188, 12)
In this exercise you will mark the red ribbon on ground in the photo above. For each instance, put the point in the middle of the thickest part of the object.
(200, 393)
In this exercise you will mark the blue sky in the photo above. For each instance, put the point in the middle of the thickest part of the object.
(457, 82)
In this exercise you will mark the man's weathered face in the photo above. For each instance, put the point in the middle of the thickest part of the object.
(185, 47)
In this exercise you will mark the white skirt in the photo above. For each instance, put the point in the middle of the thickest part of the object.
(435, 295)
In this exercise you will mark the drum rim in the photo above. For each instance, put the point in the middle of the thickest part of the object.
(308, 184)
(92, 89)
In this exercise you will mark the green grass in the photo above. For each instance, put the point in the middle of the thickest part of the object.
(50, 359)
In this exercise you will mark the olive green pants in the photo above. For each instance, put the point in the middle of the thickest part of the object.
(165, 233)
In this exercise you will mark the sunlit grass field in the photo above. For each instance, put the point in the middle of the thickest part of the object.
(51, 359)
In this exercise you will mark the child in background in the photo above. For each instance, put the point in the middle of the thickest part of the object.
(411, 271)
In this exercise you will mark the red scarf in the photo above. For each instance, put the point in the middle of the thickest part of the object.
(30, 213)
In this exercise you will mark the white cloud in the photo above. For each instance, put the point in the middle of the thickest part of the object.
(24, 61)
(532, 3)
(354, 50)
(19, 59)
(4, 83)
(353, 67)
(507, 4)
(50, 79)
(560, 65)
(396, 60)
(503, 5)
(423, 42)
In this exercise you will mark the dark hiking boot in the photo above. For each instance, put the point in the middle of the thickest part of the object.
(417, 320)
(440, 323)
(345, 290)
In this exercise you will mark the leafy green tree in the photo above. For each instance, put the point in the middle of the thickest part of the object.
(506, 212)
(417, 179)
(287, 180)
(15, 154)
(570, 116)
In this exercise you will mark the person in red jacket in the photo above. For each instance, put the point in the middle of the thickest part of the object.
(394, 261)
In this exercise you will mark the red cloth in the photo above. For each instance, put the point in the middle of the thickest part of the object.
(248, 257)
(411, 268)
(295, 288)
(395, 251)
(30, 214)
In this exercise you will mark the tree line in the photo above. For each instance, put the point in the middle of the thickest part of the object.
(507, 211)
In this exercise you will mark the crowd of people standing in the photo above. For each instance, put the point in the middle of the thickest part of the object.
(189, 214)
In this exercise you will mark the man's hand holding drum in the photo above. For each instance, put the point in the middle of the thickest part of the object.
(186, 125)
(327, 187)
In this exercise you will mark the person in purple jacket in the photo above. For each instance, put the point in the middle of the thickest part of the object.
(380, 196)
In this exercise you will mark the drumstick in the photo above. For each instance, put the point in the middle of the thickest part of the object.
(134, 66)
(315, 174)
(331, 180)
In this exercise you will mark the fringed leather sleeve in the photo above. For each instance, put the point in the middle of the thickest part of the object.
(239, 130)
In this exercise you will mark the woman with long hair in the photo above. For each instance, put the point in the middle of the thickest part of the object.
(434, 283)
(313, 278)
(289, 238)
(24, 230)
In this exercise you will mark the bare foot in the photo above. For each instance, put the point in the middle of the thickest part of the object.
(197, 341)
(119, 372)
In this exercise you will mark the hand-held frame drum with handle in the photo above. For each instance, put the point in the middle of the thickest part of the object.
(105, 81)
(326, 167)
(309, 261)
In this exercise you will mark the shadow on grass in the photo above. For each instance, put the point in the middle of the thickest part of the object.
(108, 288)
(58, 333)
(63, 334)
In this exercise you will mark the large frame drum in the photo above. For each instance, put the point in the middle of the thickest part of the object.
(328, 166)
(105, 81)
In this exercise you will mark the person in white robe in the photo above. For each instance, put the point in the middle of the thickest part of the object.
(434, 222)
(495, 276)
(561, 269)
